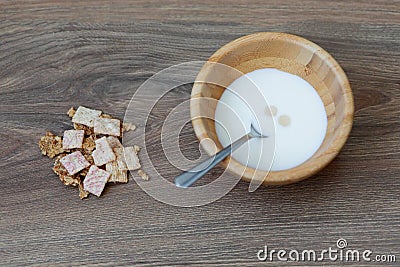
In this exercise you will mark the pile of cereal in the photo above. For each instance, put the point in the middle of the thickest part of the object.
(91, 155)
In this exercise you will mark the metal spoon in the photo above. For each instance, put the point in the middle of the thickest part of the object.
(189, 177)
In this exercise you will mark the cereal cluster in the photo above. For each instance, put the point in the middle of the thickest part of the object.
(91, 155)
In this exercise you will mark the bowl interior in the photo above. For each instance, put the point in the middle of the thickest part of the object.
(291, 54)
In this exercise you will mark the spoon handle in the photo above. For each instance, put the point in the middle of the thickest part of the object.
(189, 177)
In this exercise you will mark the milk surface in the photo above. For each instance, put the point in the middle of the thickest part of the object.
(281, 105)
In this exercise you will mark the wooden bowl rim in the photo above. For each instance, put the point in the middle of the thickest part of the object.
(297, 173)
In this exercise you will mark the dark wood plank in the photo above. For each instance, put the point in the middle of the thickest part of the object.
(56, 54)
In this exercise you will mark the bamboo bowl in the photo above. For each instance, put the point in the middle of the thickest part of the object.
(291, 54)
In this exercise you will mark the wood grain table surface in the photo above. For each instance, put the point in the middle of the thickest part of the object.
(55, 54)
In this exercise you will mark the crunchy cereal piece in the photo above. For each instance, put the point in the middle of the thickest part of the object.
(131, 158)
(58, 167)
(114, 142)
(83, 172)
(136, 148)
(88, 130)
(85, 116)
(73, 139)
(95, 180)
(128, 126)
(103, 153)
(74, 162)
(89, 143)
(120, 158)
(71, 180)
(107, 126)
(143, 175)
(89, 158)
(82, 192)
(117, 175)
(88, 155)
(71, 112)
(51, 145)
(60, 170)
(107, 116)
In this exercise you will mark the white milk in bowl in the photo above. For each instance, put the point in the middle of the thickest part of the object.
(295, 119)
